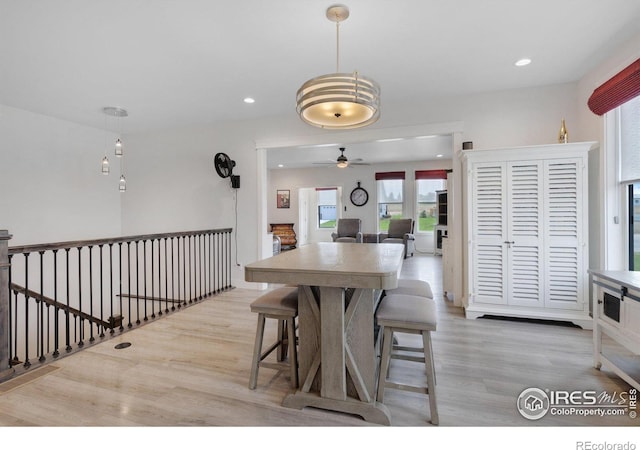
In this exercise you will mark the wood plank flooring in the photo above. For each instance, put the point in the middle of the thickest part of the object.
(192, 369)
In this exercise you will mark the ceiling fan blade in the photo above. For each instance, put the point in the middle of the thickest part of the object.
(359, 164)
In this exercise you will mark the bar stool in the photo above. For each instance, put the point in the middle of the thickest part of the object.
(414, 315)
(280, 304)
(408, 286)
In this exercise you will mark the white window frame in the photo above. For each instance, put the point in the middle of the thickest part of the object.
(615, 236)
(416, 208)
(403, 203)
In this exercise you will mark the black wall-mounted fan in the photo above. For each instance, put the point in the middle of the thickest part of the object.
(224, 167)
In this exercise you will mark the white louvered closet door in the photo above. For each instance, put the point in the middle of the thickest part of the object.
(527, 232)
(508, 233)
(489, 231)
(564, 232)
(524, 246)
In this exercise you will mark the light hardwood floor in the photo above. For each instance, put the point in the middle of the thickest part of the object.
(192, 369)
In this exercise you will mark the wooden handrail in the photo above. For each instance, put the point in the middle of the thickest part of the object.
(28, 293)
(145, 297)
(96, 242)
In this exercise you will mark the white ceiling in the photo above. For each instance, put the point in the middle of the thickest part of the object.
(191, 62)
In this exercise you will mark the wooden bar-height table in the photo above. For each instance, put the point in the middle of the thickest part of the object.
(339, 284)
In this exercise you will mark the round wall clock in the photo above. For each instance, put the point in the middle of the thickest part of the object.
(359, 196)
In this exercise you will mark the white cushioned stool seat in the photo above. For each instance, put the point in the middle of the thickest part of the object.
(407, 311)
(412, 287)
(280, 304)
(407, 314)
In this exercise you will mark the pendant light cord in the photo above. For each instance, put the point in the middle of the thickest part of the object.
(104, 136)
(337, 46)
(119, 137)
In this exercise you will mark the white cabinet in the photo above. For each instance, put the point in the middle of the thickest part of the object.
(526, 228)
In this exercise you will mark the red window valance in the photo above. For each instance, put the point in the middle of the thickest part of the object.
(439, 174)
(618, 90)
(389, 175)
(326, 189)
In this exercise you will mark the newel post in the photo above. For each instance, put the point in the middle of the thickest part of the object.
(4, 303)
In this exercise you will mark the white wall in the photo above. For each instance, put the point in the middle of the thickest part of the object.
(172, 184)
(51, 188)
(519, 117)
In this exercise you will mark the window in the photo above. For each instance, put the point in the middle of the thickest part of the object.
(327, 207)
(618, 99)
(390, 197)
(427, 183)
(629, 123)
(633, 190)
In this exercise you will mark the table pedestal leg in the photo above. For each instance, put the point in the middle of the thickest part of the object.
(337, 353)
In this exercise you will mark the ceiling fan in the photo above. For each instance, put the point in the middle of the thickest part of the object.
(343, 162)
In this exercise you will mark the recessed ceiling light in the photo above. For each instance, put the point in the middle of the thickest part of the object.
(280, 165)
(523, 62)
(438, 156)
(249, 100)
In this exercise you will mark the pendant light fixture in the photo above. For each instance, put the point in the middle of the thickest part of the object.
(118, 148)
(105, 166)
(118, 113)
(339, 100)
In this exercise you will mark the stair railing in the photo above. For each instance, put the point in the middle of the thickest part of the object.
(58, 298)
